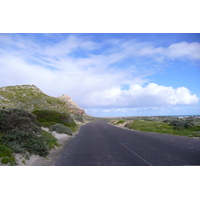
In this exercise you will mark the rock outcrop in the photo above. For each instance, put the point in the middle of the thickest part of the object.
(73, 107)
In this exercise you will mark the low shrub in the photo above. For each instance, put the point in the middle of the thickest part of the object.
(6, 155)
(119, 122)
(51, 141)
(60, 128)
(37, 146)
(79, 118)
(181, 124)
(48, 118)
(25, 143)
(167, 121)
(19, 119)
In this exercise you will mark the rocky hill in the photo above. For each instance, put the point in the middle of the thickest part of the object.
(32, 98)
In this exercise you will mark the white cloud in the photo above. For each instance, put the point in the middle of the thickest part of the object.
(69, 45)
(116, 110)
(181, 50)
(184, 50)
(150, 50)
(15, 71)
(92, 80)
(138, 96)
(174, 51)
(106, 110)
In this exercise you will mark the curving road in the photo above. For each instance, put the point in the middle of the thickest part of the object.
(102, 144)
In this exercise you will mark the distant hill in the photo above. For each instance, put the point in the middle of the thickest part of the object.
(32, 98)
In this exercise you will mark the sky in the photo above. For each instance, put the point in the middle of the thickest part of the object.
(108, 74)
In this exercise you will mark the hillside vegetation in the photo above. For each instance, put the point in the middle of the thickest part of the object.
(20, 132)
(47, 118)
(29, 97)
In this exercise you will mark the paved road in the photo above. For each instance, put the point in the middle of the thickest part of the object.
(102, 144)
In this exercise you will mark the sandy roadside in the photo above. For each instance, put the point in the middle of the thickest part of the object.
(54, 154)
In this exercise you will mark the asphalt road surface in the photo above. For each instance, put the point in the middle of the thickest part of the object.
(102, 144)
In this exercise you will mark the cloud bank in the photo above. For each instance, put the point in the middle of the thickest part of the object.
(138, 96)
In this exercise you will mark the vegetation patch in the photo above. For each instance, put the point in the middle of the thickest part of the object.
(119, 122)
(30, 98)
(20, 133)
(47, 118)
(79, 118)
(181, 124)
(18, 119)
(60, 128)
(51, 141)
(163, 127)
(6, 155)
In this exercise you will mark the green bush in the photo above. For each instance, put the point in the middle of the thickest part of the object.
(51, 141)
(60, 128)
(20, 133)
(181, 124)
(79, 118)
(167, 121)
(178, 124)
(48, 118)
(120, 122)
(6, 155)
(22, 142)
(20, 119)
(37, 145)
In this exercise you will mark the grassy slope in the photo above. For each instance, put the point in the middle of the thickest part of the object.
(161, 127)
(29, 98)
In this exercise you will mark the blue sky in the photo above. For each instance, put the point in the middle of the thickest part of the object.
(108, 74)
